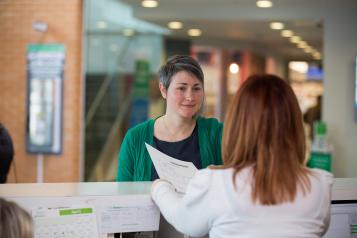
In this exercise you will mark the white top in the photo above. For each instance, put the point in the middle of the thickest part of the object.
(212, 205)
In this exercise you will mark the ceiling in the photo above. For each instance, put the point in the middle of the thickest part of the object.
(240, 24)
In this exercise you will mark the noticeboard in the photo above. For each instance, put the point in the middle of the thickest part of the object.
(45, 67)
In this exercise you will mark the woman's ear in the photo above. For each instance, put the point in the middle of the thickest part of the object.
(163, 90)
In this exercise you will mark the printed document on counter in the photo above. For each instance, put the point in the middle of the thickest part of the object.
(65, 222)
(177, 172)
(123, 215)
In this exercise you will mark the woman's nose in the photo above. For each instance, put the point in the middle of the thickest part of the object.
(189, 95)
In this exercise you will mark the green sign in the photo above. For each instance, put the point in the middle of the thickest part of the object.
(141, 78)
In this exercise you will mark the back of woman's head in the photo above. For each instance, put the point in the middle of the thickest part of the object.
(264, 129)
(15, 222)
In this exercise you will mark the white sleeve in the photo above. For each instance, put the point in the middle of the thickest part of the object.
(190, 213)
(328, 177)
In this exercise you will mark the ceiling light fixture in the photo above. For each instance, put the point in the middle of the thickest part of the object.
(299, 66)
(317, 55)
(149, 3)
(175, 25)
(264, 3)
(276, 25)
(234, 68)
(194, 32)
(287, 33)
(302, 44)
(314, 51)
(295, 39)
(308, 50)
(318, 58)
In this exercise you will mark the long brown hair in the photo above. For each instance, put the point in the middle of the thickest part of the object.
(264, 129)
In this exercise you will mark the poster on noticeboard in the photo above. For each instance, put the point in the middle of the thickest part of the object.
(45, 76)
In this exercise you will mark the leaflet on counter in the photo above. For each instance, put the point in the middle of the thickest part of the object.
(177, 172)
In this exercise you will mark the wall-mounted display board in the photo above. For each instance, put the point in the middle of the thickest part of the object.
(45, 67)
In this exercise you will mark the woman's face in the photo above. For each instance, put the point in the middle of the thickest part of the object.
(184, 97)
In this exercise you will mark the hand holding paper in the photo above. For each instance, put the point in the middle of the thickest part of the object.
(173, 170)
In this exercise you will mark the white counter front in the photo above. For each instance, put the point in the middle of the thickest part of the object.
(118, 207)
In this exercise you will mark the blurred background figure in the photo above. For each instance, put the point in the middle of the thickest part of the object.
(15, 222)
(313, 114)
(6, 153)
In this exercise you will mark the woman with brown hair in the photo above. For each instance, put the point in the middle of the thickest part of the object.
(15, 222)
(264, 188)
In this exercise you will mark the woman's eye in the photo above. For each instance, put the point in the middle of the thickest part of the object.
(197, 89)
(181, 88)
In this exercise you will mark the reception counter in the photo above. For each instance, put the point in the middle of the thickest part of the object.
(115, 207)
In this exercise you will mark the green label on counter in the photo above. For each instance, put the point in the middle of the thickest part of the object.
(66, 212)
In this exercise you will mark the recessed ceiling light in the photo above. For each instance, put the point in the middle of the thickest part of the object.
(276, 25)
(128, 32)
(299, 66)
(149, 3)
(234, 68)
(316, 55)
(308, 50)
(287, 33)
(312, 50)
(174, 25)
(264, 3)
(318, 58)
(102, 24)
(302, 44)
(194, 32)
(295, 39)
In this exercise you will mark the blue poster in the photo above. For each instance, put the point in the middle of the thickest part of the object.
(139, 110)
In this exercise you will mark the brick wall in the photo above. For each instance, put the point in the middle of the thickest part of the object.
(64, 19)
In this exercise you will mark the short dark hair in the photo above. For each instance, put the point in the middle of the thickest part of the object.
(6, 153)
(179, 63)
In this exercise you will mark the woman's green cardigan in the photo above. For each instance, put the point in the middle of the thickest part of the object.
(134, 160)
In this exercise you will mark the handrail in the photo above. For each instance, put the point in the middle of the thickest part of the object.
(98, 171)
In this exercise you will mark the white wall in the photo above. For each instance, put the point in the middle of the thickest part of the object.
(340, 51)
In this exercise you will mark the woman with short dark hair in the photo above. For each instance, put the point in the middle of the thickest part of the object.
(181, 132)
